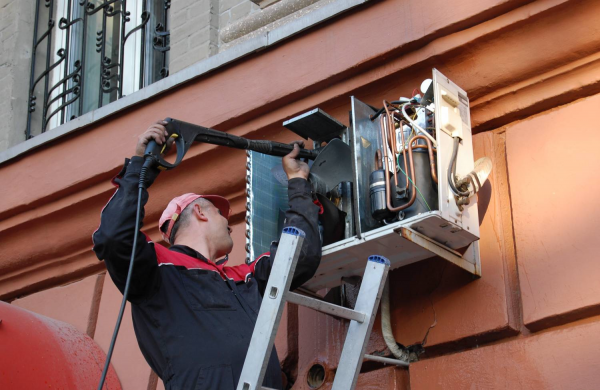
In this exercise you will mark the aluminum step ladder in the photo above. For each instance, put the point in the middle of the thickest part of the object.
(277, 293)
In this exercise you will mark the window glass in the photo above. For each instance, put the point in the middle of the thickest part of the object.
(88, 53)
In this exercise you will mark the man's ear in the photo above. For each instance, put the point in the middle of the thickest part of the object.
(199, 213)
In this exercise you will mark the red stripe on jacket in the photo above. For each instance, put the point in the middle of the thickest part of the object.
(238, 273)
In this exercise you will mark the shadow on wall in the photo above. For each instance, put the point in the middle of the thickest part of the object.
(484, 196)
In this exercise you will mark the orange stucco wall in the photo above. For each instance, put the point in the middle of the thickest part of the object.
(532, 72)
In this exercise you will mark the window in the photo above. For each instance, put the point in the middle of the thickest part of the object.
(88, 53)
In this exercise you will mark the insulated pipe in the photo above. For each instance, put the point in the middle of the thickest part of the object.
(386, 325)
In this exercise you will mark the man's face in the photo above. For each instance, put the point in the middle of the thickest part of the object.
(220, 232)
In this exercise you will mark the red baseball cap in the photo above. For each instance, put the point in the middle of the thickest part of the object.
(177, 205)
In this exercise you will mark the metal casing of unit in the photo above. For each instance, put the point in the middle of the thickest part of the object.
(434, 233)
(466, 220)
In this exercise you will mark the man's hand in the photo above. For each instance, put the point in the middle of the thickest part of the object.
(157, 132)
(295, 168)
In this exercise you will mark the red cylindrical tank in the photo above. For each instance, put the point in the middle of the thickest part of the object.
(37, 352)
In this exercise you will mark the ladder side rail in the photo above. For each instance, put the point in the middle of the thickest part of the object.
(358, 333)
(271, 308)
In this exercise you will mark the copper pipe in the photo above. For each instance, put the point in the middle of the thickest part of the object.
(387, 179)
(385, 138)
(378, 163)
(391, 137)
(429, 148)
(395, 148)
(391, 130)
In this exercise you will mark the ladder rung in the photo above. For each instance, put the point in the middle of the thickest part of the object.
(325, 307)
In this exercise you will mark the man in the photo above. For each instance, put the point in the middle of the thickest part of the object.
(193, 315)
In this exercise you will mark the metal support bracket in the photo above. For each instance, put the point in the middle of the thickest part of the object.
(470, 261)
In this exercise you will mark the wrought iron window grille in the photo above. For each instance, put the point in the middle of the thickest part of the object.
(98, 52)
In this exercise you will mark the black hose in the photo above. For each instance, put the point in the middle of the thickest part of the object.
(377, 114)
(383, 109)
(141, 186)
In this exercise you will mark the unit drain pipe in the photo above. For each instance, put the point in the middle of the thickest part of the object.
(386, 326)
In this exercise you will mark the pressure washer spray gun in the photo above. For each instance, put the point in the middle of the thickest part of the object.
(332, 163)
(184, 134)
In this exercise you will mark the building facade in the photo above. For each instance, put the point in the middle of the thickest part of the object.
(530, 69)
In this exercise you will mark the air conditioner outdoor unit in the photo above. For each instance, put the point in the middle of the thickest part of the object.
(426, 137)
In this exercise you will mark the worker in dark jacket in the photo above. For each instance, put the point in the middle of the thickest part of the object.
(193, 315)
